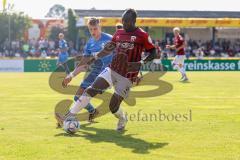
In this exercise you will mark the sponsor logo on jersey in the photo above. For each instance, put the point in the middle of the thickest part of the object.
(125, 45)
(133, 38)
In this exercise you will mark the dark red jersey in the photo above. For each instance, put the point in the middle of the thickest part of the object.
(179, 41)
(129, 47)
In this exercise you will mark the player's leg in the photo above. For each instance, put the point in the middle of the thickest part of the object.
(122, 87)
(176, 65)
(115, 108)
(102, 82)
(79, 92)
(88, 81)
(182, 68)
(98, 87)
(91, 110)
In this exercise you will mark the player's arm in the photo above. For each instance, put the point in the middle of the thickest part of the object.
(82, 66)
(82, 59)
(78, 69)
(135, 66)
(108, 48)
(151, 56)
(150, 48)
(87, 60)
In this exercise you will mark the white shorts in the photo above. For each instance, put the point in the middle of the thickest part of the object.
(179, 59)
(157, 61)
(121, 84)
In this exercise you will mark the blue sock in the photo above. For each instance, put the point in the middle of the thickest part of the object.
(89, 107)
(75, 98)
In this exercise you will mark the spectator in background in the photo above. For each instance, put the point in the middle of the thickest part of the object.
(43, 54)
(32, 51)
(119, 26)
(199, 53)
(63, 53)
(51, 45)
(41, 44)
(25, 49)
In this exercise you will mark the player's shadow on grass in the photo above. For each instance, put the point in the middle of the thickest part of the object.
(185, 82)
(137, 145)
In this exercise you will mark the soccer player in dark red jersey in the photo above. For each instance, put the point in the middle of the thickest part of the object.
(179, 45)
(128, 44)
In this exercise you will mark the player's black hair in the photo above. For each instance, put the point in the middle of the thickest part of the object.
(131, 11)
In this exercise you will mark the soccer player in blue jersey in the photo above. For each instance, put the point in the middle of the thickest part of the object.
(95, 44)
(63, 54)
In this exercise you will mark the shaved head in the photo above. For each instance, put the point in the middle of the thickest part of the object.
(129, 19)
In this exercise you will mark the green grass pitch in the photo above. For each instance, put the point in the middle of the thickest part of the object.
(27, 124)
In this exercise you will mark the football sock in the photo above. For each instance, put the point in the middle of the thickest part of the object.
(81, 103)
(119, 114)
(89, 106)
(182, 70)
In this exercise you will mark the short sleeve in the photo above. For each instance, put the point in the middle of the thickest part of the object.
(148, 42)
(114, 38)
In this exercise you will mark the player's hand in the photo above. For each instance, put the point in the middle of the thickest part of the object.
(66, 81)
(69, 77)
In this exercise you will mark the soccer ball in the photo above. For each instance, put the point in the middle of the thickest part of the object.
(71, 125)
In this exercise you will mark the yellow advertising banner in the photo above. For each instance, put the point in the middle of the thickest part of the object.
(173, 22)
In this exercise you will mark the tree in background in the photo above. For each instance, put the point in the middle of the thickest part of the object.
(72, 31)
(19, 23)
(57, 11)
(54, 32)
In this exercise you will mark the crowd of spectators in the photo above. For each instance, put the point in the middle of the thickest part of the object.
(200, 49)
(48, 48)
(41, 48)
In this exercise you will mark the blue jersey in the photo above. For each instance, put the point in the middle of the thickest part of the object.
(62, 44)
(92, 47)
(63, 55)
